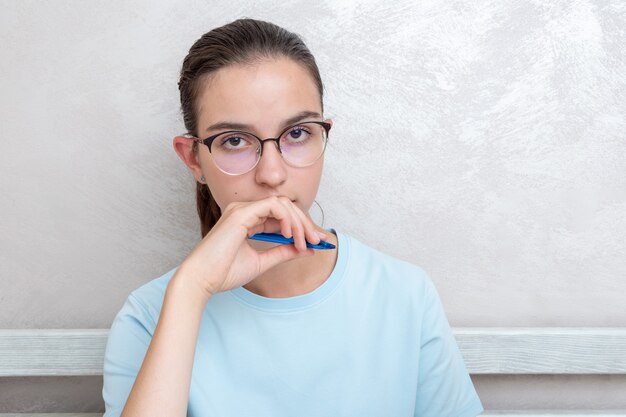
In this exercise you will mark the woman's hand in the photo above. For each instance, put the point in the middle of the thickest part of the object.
(224, 258)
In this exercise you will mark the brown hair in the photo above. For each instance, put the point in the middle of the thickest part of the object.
(243, 41)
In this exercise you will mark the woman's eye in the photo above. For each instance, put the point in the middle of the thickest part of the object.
(234, 142)
(297, 134)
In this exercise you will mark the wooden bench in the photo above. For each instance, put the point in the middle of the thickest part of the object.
(496, 351)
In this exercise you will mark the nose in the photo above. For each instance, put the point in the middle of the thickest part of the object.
(271, 169)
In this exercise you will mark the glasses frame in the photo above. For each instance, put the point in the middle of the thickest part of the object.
(209, 141)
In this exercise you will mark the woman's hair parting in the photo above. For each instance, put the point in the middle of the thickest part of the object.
(244, 42)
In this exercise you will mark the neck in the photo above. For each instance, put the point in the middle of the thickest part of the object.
(298, 276)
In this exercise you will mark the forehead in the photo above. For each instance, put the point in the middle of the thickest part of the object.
(261, 94)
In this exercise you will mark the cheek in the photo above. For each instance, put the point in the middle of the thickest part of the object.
(224, 188)
(308, 185)
(223, 192)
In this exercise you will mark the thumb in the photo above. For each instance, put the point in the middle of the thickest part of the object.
(280, 254)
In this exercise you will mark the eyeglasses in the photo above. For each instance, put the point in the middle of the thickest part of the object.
(235, 152)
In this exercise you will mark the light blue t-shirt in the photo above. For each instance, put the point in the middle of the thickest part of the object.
(372, 340)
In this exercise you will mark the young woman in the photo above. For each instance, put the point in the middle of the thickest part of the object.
(250, 328)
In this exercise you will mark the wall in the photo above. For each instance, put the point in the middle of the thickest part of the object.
(483, 141)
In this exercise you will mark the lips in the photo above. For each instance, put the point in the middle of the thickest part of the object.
(276, 195)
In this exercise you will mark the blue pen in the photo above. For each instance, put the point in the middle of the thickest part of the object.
(278, 238)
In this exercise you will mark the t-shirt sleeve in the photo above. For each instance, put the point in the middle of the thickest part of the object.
(444, 386)
(128, 341)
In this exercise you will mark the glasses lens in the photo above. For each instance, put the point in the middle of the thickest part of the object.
(235, 152)
(303, 144)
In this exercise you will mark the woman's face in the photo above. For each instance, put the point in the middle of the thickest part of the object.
(261, 97)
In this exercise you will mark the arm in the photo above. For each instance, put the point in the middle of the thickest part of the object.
(444, 385)
(221, 261)
(162, 385)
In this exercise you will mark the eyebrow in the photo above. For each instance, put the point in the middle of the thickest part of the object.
(242, 126)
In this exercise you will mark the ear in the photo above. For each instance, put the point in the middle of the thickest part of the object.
(329, 121)
(184, 149)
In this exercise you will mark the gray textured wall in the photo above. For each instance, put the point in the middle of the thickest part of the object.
(484, 141)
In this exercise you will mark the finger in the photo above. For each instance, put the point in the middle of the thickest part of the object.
(297, 227)
(312, 235)
(256, 214)
(270, 225)
(280, 254)
(285, 216)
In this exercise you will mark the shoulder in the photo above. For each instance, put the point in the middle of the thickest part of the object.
(387, 273)
(154, 290)
(145, 302)
(362, 257)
